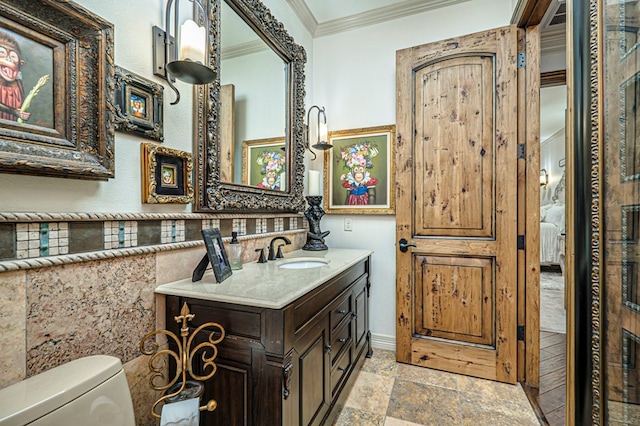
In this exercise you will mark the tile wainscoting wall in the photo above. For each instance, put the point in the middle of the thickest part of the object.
(75, 285)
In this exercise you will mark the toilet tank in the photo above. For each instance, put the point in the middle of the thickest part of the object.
(88, 391)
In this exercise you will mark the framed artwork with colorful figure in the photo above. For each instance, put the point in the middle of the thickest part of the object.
(138, 105)
(359, 171)
(264, 163)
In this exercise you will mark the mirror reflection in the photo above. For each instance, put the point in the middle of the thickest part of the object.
(253, 102)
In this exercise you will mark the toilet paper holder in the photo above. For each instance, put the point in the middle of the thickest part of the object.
(183, 357)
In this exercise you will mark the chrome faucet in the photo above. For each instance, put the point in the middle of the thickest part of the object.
(272, 250)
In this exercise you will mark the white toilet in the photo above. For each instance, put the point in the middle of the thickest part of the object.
(88, 391)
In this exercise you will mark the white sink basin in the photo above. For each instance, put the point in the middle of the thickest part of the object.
(303, 263)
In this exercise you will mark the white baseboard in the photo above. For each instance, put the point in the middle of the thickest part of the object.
(381, 341)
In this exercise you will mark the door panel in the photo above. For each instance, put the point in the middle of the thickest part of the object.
(456, 173)
(454, 298)
(454, 121)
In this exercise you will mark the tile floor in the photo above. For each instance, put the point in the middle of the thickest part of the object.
(393, 394)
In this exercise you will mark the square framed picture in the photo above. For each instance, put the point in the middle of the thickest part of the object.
(217, 254)
(359, 171)
(138, 104)
(264, 163)
(56, 116)
(166, 175)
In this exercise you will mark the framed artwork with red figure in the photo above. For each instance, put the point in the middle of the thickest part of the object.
(359, 170)
(56, 96)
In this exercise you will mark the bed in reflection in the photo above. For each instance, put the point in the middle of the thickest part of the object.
(552, 228)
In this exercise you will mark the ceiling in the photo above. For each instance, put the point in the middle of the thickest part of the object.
(324, 17)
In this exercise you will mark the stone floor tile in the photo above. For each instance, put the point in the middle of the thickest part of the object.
(370, 392)
(353, 416)
(489, 387)
(427, 376)
(382, 362)
(424, 404)
(479, 410)
(392, 421)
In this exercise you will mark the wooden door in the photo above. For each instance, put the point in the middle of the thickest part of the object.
(456, 175)
(619, 219)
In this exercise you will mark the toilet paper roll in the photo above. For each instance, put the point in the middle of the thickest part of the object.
(183, 413)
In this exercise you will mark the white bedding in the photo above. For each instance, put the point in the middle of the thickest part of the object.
(549, 247)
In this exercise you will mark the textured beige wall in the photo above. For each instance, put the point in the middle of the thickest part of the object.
(50, 316)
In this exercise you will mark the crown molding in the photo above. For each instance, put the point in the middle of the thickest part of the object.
(243, 49)
(303, 13)
(553, 41)
(371, 17)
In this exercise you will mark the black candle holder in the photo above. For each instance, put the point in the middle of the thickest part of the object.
(315, 237)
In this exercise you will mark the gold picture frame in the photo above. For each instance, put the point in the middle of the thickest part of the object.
(359, 171)
(166, 175)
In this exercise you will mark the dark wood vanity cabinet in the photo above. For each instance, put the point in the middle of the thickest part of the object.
(289, 366)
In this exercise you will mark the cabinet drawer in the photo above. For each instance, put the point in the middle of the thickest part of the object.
(339, 340)
(339, 373)
(343, 309)
(244, 323)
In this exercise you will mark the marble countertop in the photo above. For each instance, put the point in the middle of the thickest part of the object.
(266, 284)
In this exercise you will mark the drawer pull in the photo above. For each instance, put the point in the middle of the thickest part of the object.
(354, 316)
(342, 368)
(328, 347)
(342, 340)
(342, 311)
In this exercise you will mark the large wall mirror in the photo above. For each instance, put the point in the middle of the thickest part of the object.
(249, 147)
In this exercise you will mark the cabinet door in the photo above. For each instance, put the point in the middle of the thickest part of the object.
(230, 387)
(313, 361)
(360, 318)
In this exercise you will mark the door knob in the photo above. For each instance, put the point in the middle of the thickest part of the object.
(404, 245)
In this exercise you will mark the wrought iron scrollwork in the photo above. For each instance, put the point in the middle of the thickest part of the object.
(183, 357)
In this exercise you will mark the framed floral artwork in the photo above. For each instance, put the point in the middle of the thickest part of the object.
(166, 175)
(264, 163)
(359, 171)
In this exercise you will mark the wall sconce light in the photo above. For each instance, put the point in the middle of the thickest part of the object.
(320, 129)
(188, 63)
(544, 178)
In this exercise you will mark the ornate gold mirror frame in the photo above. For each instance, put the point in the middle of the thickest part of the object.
(213, 195)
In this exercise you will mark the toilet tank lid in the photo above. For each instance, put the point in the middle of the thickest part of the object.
(32, 398)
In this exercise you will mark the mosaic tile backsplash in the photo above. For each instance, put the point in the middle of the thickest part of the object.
(83, 284)
(31, 236)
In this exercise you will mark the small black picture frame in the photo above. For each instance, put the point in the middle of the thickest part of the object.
(138, 105)
(217, 254)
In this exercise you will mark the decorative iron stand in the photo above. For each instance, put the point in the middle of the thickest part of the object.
(183, 358)
(315, 237)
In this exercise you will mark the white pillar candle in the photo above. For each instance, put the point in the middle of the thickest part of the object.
(192, 38)
(323, 132)
(314, 182)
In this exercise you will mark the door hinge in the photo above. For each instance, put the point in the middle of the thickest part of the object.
(520, 242)
(522, 60)
(521, 151)
(521, 333)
